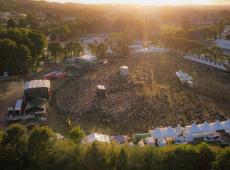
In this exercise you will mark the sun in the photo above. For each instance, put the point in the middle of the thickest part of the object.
(144, 2)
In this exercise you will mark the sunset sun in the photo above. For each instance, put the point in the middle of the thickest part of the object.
(148, 2)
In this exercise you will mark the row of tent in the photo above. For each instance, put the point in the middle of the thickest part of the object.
(168, 132)
(192, 129)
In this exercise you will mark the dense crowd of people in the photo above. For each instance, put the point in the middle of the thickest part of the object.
(150, 96)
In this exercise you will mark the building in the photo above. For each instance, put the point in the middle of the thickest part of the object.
(226, 31)
(37, 89)
(224, 45)
(94, 38)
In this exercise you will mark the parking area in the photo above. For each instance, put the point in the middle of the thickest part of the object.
(10, 91)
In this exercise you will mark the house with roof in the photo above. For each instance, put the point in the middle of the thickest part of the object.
(224, 45)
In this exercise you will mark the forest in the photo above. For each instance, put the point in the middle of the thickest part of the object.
(189, 29)
(40, 149)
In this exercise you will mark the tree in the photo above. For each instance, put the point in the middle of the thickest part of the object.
(182, 157)
(206, 156)
(16, 35)
(216, 52)
(40, 147)
(122, 160)
(65, 155)
(22, 23)
(69, 48)
(55, 48)
(153, 159)
(73, 48)
(14, 144)
(8, 50)
(24, 59)
(101, 51)
(32, 21)
(1, 136)
(93, 48)
(11, 23)
(222, 161)
(228, 37)
(95, 157)
(37, 42)
(76, 134)
(78, 48)
(14, 58)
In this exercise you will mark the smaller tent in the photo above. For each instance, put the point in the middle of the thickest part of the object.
(150, 141)
(188, 137)
(161, 142)
(141, 143)
(204, 127)
(97, 137)
(169, 132)
(156, 133)
(124, 70)
(193, 128)
(226, 124)
(216, 126)
(88, 58)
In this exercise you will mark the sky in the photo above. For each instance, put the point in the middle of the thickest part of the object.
(151, 2)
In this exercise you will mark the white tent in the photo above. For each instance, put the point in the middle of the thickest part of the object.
(149, 141)
(156, 133)
(204, 127)
(124, 70)
(193, 128)
(161, 142)
(97, 137)
(88, 58)
(226, 124)
(216, 126)
(178, 129)
(141, 144)
(169, 132)
(188, 137)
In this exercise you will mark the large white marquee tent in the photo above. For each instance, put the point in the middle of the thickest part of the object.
(216, 126)
(226, 124)
(192, 131)
(193, 128)
(205, 127)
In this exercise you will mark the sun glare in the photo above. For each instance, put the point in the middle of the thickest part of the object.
(148, 2)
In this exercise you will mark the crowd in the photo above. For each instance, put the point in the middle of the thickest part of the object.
(150, 96)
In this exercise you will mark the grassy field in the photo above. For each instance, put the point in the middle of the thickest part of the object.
(150, 96)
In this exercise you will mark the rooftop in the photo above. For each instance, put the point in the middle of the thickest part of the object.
(223, 43)
(37, 84)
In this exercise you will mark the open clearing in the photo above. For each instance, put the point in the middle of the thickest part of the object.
(151, 96)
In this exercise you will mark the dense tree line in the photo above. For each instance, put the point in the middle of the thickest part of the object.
(53, 19)
(21, 49)
(40, 149)
(67, 22)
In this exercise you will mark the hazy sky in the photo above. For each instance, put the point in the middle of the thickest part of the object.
(152, 2)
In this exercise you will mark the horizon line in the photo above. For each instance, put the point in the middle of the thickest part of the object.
(137, 4)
